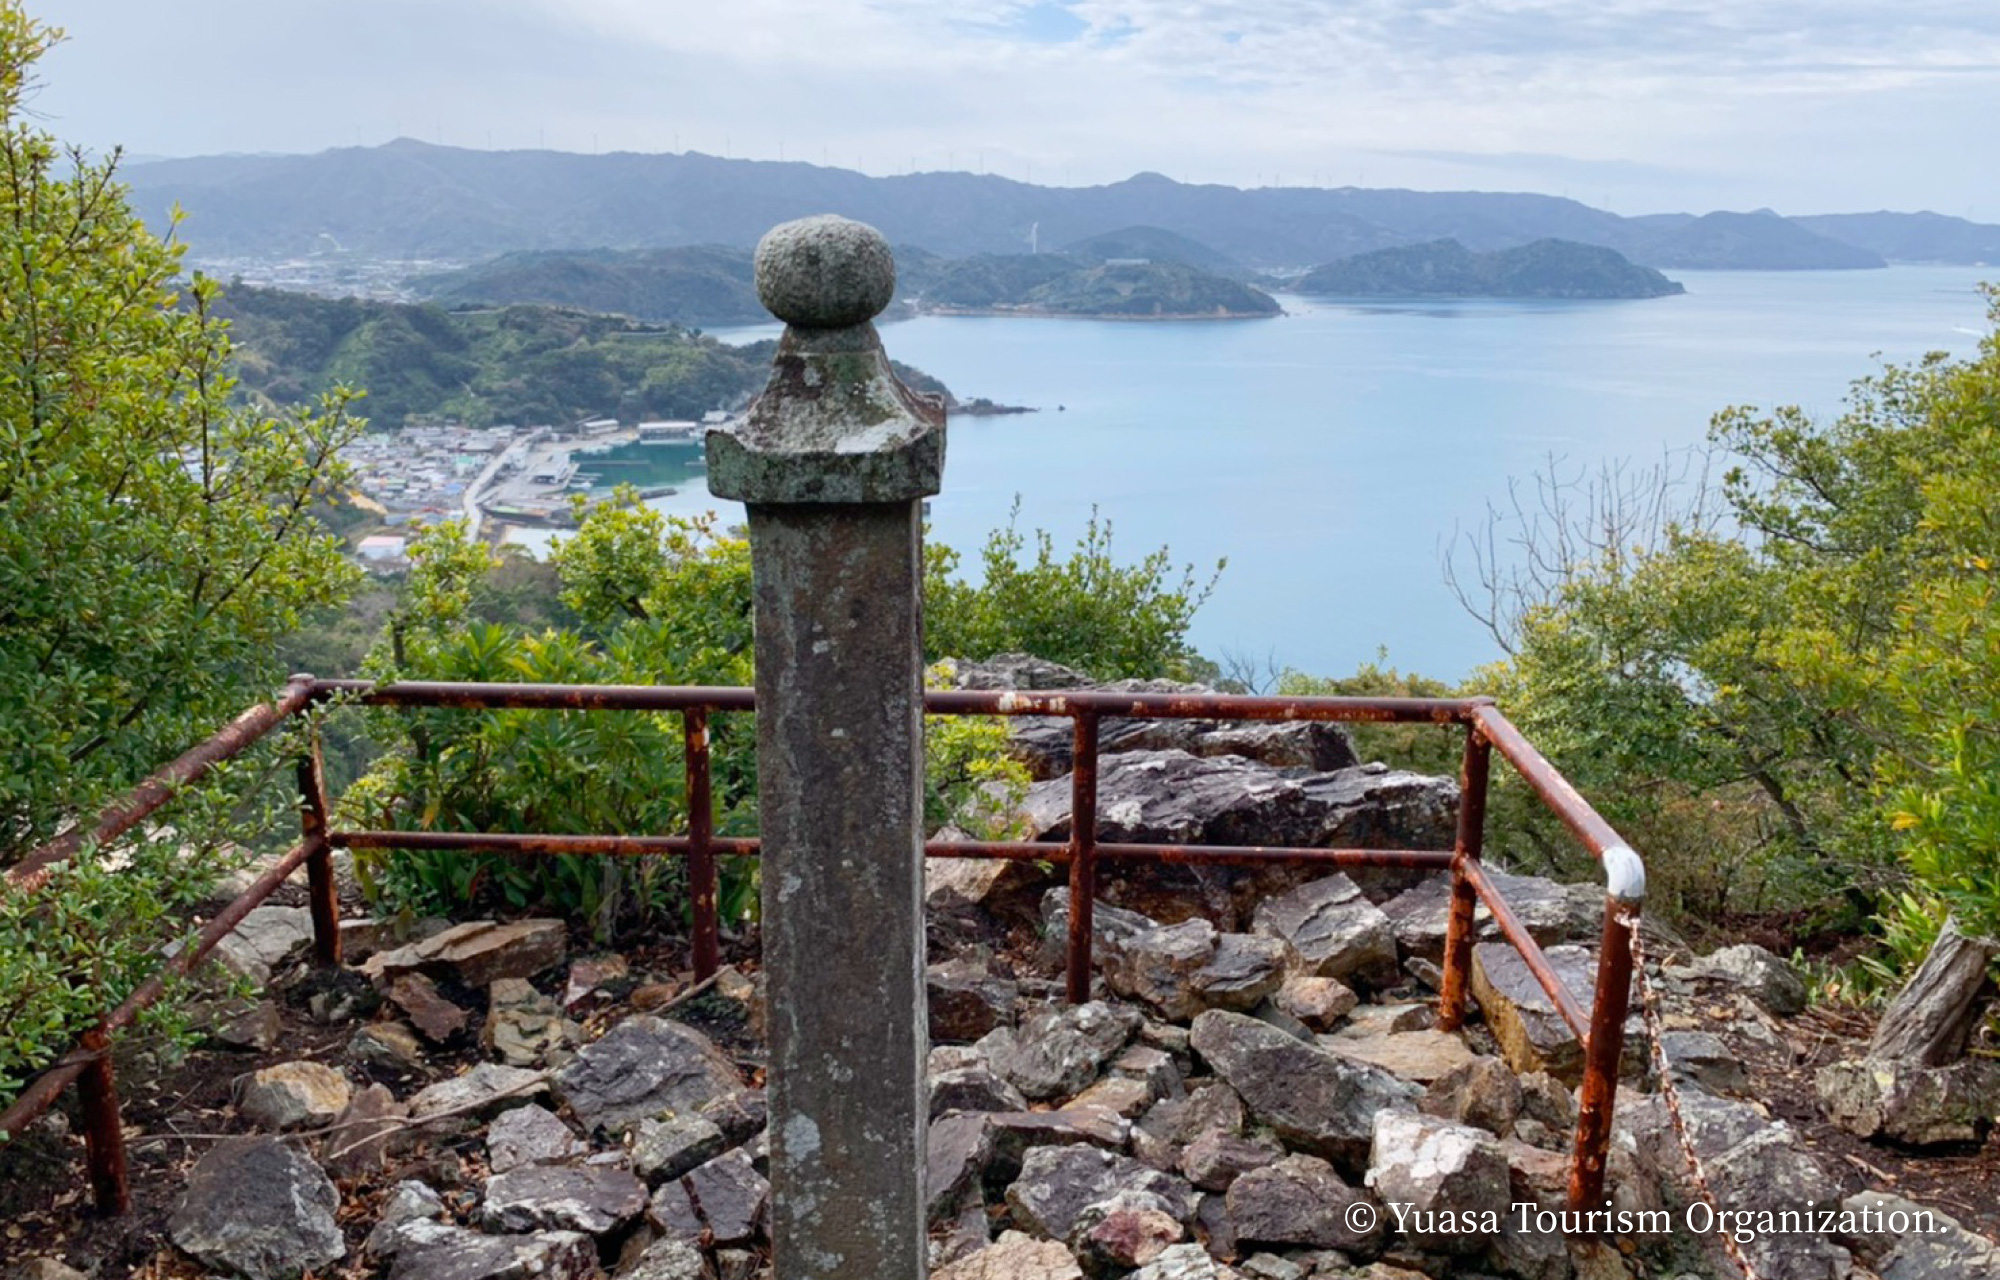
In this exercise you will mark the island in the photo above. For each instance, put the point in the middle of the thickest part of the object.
(1446, 268)
(1119, 289)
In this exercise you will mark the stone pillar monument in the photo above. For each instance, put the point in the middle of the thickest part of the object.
(833, 462)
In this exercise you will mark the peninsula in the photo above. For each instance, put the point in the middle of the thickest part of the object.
(1446, 268)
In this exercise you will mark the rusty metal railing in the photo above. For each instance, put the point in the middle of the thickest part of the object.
(1600, 1032)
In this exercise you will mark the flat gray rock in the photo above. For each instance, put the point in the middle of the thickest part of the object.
(1318, 1102)
(593, 1199)
(441, 1251)
(408, 1202)
(530, 1135)
(1158, 966)
(1172, 797)
(1764, 977)
(645, 1068)
(266, 939)
(1298, 1200)
(1058, 1183)
(1532, 1035)
(732, 1198)
(669, 1148)
(254, 1207)
(1943, 1251)
(485, 1090)
(1243, 971)
(1331, 931)
(1058, 1052)
(972, 1088)
(669, 1259)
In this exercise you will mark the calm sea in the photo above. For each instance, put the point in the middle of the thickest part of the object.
(1332, 453)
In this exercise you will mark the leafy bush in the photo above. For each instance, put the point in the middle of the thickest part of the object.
(1085, 611)
(563, 772)
(156, 542)
(1787, 702)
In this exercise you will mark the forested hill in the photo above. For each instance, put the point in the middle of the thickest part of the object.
(1544, 269)
(512, 364)
(1057, 284)
(527, 365)
(410, 199)
(698, 285)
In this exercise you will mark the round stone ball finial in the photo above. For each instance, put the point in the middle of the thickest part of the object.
(825, 272)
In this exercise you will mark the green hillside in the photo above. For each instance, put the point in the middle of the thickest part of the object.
(513, 364)
(1446, 268)
(526, 365)
(1154, 289)
(1056, 284)
(699, 285)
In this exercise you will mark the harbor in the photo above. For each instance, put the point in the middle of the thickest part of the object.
(505, 477)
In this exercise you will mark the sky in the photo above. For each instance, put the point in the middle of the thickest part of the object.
(1803, 106)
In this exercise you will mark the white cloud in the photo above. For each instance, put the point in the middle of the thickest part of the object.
(1797, 103)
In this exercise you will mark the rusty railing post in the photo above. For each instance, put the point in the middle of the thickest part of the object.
(1467, 847)
(1082, 855)
(1625, 890)
(322, 894)
(832, 462)
(103, 1128)
(701, 850)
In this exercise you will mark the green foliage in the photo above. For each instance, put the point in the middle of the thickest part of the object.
(1787, 705)
(970, 782)
(563, 772)
(1936, 699)
(657, 600)
(698, 284)
(1424, 748)
(1086, 610)
(156, 543)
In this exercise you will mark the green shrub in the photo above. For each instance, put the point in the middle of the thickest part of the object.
(1086, 610)
(156, 542)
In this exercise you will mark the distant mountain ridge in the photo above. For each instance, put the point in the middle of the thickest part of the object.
(1446, 268)
(1911, 237)
(410, 199)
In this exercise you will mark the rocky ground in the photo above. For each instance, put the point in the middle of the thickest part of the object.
(1256, 1093)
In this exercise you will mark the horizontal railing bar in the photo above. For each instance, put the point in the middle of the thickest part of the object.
(36, 1098)
(546, 697)
(995, 702)
(1216, 706)
(31, 872)
(535, 844)
(1530, 951)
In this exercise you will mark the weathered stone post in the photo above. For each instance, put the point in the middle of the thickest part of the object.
(833, 461)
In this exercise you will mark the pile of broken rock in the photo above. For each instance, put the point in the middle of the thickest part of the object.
(1256, 1092)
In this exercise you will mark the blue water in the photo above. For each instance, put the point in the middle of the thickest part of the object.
(1330, 454)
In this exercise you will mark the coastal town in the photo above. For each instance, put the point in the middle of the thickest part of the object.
(500, 477)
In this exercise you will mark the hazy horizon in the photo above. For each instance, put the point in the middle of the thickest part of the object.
(1635, 106)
